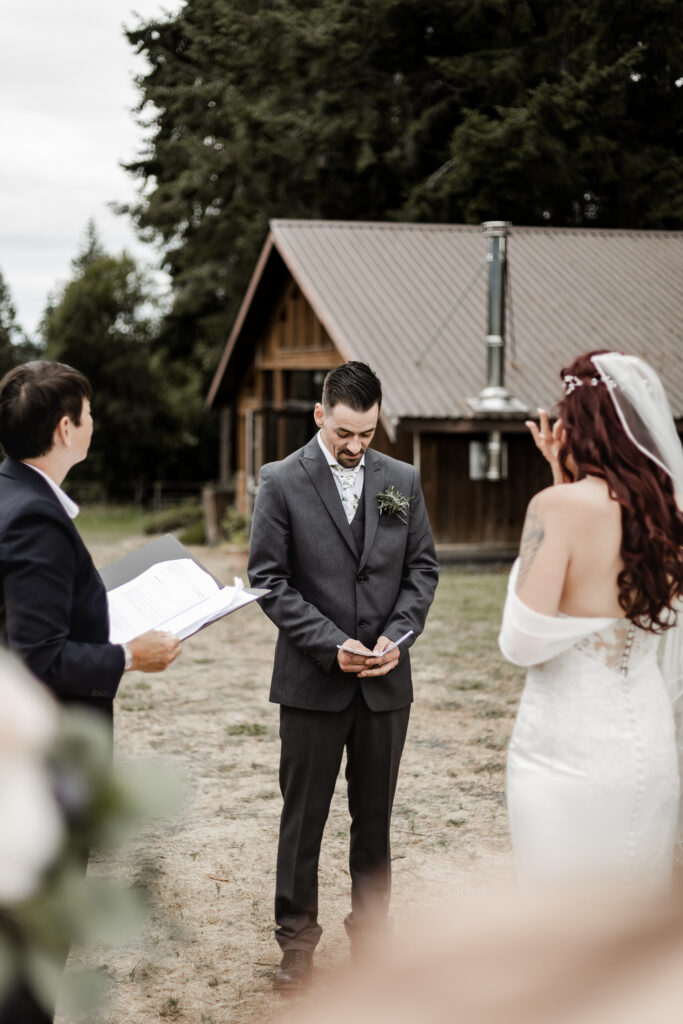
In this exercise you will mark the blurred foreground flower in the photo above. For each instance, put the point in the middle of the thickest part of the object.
(31, 829)
(59, 796)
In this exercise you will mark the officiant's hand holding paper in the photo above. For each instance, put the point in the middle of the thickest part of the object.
(153, 651)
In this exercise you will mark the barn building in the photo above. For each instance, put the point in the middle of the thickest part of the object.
(419, 304)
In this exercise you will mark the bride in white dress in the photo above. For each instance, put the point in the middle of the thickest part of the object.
(593, 777)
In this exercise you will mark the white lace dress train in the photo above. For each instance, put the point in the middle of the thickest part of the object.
(592, 779)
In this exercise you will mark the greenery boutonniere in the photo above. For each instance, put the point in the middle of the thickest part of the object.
(392, 503)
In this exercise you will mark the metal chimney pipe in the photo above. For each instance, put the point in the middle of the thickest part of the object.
(495, 399)
(496, 232)
(495, 402)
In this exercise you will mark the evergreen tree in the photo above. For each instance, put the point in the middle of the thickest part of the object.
(564, 112)
(15, 347)
(265, 109)
(572, 114)
(144, 406)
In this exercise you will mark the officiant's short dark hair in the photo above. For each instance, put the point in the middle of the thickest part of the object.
(354, 384)
(33, 398)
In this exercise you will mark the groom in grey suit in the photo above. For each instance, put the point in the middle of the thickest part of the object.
(339, 573)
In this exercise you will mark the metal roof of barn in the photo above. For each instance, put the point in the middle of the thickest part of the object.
(410, 300)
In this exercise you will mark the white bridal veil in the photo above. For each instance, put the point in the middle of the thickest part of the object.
(642, 406)
(643, 409)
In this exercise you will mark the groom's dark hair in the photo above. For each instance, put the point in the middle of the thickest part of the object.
(354, 384)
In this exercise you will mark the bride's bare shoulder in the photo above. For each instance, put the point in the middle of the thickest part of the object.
(590, 494)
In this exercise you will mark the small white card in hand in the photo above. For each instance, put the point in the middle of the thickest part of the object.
(377, 654)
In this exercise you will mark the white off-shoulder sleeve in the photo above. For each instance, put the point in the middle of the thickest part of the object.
(530, 638)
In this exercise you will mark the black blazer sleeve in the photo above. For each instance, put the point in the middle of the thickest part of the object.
(55, 606)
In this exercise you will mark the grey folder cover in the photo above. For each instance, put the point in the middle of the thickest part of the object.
(163, 549)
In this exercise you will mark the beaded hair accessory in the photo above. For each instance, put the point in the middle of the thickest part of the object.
(571, 382)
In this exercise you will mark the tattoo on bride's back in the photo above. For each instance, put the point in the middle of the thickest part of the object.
(532, 538)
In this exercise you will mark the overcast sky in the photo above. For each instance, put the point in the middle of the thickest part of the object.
(66, 94)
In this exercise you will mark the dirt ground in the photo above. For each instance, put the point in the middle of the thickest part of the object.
(207, 953)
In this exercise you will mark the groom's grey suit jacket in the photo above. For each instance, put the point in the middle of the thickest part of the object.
(323, 589)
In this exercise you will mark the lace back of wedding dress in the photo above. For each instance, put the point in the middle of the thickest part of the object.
(593, 771)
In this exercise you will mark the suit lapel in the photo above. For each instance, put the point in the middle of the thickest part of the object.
(319, 472)
(372, 485)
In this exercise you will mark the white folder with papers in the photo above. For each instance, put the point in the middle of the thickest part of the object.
(175, 594)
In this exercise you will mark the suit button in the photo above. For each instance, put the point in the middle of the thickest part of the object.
(362, 623)
(361, 578)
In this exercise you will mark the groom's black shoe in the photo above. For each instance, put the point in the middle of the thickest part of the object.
(294, 972)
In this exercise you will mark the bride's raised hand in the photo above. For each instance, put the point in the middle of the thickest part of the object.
(549, 442)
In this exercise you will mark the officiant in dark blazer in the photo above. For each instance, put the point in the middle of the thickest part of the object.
(53, 604)
(340, 536)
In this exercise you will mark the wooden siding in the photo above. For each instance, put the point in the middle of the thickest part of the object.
(274, 406)
(481, 512)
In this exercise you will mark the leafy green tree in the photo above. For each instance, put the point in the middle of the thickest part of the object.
(565, 112)
(145, 406)
(15, 347)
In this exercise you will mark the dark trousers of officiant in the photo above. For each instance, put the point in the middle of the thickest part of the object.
(313, 744)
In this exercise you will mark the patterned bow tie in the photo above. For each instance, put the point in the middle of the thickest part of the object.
(348, 477)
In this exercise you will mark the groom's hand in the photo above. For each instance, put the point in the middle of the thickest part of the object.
(381, 666)
(353, 662)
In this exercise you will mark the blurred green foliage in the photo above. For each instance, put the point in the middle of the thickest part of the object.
(102, 805)
(176, 517)
(235, 527)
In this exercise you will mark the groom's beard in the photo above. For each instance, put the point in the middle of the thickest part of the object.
(347, 460)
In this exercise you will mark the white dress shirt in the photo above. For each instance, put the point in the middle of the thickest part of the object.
(359, 470)
(69, 506)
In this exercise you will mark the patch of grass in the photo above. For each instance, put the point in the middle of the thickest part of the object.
(247, 729)
(171, 1008)
(127, 705)
(491, 768)
(492, 742)
(109, 522)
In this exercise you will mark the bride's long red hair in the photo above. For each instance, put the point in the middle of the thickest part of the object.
(651, 522)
